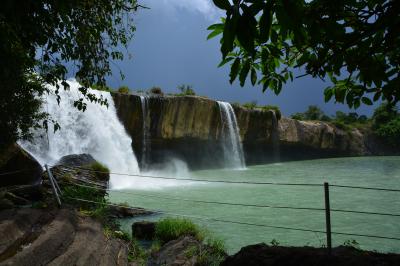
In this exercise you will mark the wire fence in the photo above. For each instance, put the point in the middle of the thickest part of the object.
(327, 209)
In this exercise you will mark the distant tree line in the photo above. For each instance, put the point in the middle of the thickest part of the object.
(385, 121)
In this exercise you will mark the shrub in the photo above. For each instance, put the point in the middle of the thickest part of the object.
(186, 90)
(156, 90)
(298, 116)
(124, 90)
(390, 132)
(172, 228)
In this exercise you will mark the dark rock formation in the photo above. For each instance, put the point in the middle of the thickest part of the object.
(189, 127)
(125, 211)
(17, 167)
(78, 168)
(143, 230)
(56, 237)
(262, 254)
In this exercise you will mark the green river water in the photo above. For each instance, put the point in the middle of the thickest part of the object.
(382, 172)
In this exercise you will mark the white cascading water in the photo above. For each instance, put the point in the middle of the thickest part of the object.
(231, 144)
(145, 141)
(97, 131)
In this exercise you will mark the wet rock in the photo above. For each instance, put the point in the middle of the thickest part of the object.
(18, 167)
(124, 212)
(143, 230)
(76, 160)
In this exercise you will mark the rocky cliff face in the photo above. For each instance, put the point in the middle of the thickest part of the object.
(189, 127)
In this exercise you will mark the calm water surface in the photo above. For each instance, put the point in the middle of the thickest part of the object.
(381, 172)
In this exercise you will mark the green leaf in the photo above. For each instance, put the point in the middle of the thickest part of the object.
(328, 94)
(222, 4)
(234, 70)
(229, 35)
(265, 24)
(213, 34)
(366, 101)
(244, 72)
(253, 76)
(246, 32)
(218, 26)
(226, 60)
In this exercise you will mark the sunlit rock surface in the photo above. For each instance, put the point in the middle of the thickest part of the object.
(189, 127)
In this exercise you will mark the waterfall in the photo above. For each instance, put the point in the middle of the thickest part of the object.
(230, 138)
(97, 131)
(146, 133)
(275, 138)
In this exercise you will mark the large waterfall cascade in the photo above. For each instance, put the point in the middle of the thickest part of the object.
(98, 132)
(231, 144)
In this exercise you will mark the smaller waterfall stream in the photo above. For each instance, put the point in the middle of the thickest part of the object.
(232, 147)
(146, 134)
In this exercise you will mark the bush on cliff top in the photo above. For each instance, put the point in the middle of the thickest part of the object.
(124, 90)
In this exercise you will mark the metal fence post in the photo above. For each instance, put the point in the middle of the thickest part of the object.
(53, 185)
(328, 218)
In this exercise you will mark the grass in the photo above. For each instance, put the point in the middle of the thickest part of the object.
(101, 171)
(211, 253)
(173, 228)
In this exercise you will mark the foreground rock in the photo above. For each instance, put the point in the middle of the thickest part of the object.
(57, 237)
(262, 254)
(78, 168)
(18, 167)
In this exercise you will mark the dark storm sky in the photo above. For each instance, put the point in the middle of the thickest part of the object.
(170, 48)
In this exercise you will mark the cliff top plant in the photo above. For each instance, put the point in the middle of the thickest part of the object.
(156, 90)
(186, 90)
(124, 90)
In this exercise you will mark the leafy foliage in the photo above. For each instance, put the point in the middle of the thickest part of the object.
(356, 44)
(386, 124)
(42, 41)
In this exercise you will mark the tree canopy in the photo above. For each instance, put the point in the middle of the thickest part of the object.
(354, 43)
(42, 40)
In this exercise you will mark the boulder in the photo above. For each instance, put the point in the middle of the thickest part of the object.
(18, 167)
(143, 230)
(76, 160)
(180, 252)
(79, 168)
(124, 212)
